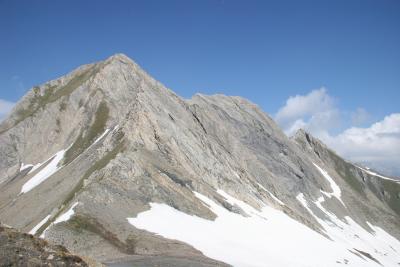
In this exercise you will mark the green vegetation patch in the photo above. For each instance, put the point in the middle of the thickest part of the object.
(392, 191)
(345, 170)
(101, 163)
(391, 188)
(85, 140)
(82, 223)
(377, 192)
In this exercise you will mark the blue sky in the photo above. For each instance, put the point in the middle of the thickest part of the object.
(346, 52)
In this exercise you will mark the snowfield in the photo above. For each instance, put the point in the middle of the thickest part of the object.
(379, 243)
(267, 237)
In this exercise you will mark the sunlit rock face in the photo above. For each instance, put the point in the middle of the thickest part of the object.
(111, 164)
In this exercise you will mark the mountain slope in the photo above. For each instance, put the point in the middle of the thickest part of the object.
(108, 156)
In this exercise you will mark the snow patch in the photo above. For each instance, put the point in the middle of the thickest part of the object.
(24, 167)
(266, 236)
(62, 218)
(105, 133)
(336, 192)
(101, 136)
(40, 224)
(51, 168)
(67, 215)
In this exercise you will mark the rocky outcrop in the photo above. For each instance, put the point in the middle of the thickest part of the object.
(21, 249)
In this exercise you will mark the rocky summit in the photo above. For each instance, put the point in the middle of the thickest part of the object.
(114, 166)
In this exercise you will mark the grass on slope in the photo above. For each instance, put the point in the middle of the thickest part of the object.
(345, 170)
(84, 140)
(392, 194)
(386, 190)
(82, 223)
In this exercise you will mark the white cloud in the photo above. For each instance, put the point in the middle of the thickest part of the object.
(5, 108)
(299, 105)
(377, 145)
(315, 112)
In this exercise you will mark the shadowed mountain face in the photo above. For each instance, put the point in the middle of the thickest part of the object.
(111, 164)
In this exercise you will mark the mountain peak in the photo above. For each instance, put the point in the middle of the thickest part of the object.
(304, 137)
(301, 134)
(119, 57)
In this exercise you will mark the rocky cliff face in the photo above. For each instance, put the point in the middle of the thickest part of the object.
(87, 160)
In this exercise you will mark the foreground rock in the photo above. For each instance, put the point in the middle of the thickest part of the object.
(21, 249)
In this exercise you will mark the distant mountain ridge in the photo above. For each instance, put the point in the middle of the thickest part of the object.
(379, 169)
(114, 166)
